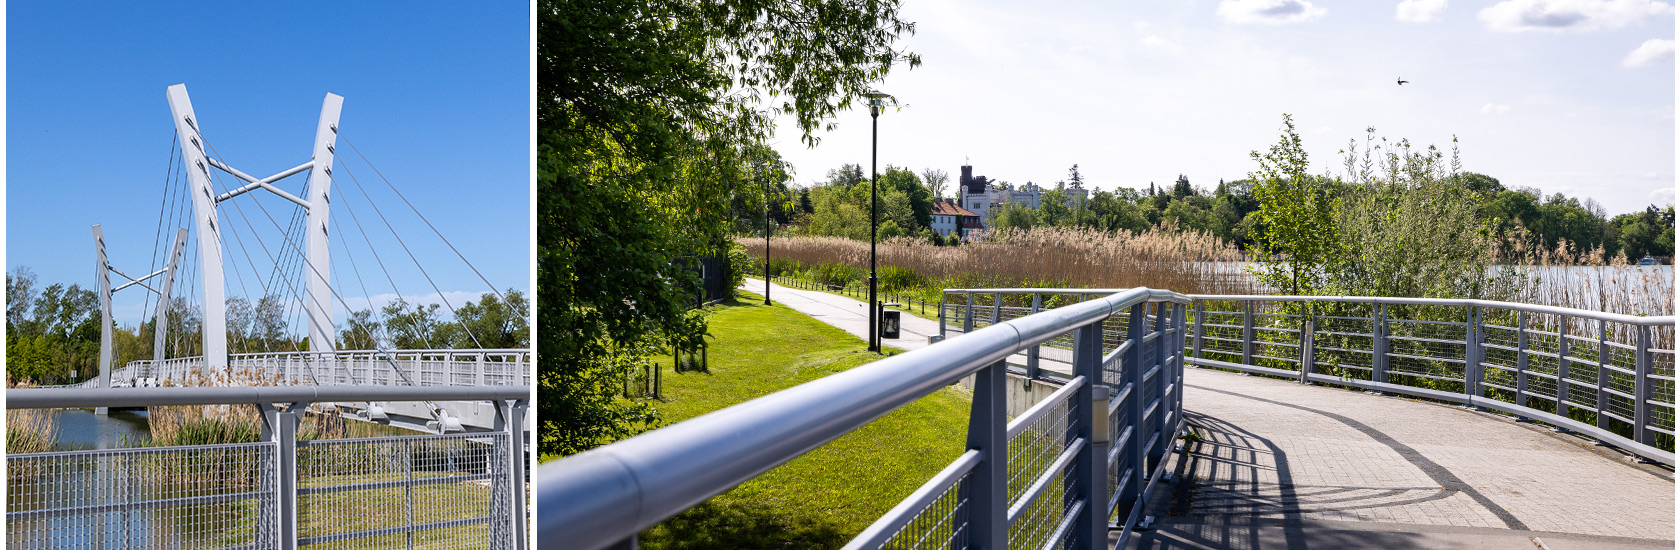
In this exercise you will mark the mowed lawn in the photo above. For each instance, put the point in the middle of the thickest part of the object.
(824, 498)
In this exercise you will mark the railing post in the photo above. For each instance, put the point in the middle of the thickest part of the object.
(1248, 332)
(284, 434)
(1306, 346)
(1032, 352)
(1522, 362)
(510, 417)
(1472, 354)
(1178, 376)
(1159, 387)
(1642, 388)
(1090, 467)
(1379, 343)
(1201, 311)
(1603, 374)
(1563, 370)
(968, 315)
(1134, 452)
(989, 496)
(942, 315)
(478, 369)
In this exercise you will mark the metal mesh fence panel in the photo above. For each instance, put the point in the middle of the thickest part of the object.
(435, 491)
(943, 524)
(201, 496)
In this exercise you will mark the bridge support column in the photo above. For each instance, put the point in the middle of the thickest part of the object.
(104, 270)
(318, 298)
(197, 163)
(160, 328)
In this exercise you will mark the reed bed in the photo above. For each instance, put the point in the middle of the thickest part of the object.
(1044, 257)
(30, 430)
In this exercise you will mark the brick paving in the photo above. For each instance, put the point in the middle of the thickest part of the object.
(1277, 449)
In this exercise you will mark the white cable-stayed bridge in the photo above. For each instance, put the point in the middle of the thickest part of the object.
(242, 293)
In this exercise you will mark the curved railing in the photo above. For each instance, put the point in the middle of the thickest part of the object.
(1604, 375)
(1053, 476)
(1616, 372)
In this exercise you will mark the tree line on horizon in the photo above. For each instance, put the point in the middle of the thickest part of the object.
(1518, 217)
(53, 332)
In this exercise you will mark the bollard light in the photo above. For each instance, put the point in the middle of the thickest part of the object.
(1100, 396)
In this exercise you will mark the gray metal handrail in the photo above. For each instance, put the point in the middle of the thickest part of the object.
(605, 496)
(1504, 356)
(278, 461)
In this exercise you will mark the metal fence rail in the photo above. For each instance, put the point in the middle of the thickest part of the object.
(221, 494)
(443, 367)
(432, 491)
(1604, 375)
(1042, 480)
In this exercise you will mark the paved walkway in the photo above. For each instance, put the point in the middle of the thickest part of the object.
(1285, 465)
(847, 314)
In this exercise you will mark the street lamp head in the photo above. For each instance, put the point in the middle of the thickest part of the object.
(877, 101)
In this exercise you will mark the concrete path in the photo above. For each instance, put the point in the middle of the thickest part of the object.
(847, 314)
(1286, 465)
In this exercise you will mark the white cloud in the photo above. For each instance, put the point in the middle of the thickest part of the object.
(1663, 196)
(1652, 51)
(1157, 43)
(1569, 15)
(1420, 11)
(1495, 109)
(1269, 12)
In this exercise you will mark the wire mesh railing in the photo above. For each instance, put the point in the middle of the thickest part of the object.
(289, 489)
(1604, 375)
(441, 367)
(1043, 480)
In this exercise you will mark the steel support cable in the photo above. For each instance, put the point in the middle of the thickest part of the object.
(358, 272)
(334, 292)
(345, 202)
(458, 254)
(244, 250)
(157, 238)
(411, 256)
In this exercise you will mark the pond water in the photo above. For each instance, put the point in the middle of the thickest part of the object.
(82, 429)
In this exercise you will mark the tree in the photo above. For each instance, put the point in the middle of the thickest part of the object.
(1052, 208)
(20, 295)
(497, 323)
(1182, 188)
(936, 180)
(1296, 221)
(644, 114)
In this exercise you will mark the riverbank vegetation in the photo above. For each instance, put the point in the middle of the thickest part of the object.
(52, 332)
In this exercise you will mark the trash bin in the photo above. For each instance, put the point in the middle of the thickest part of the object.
(889, 324)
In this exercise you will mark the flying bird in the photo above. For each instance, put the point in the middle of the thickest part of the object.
(1401, 82)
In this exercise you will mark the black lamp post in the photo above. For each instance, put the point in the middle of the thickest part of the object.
(876, 102)
(766, 240)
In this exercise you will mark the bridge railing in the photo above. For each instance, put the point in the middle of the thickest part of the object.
(288, 490)
(439, 367)
(1051, 477)
(1604, 375)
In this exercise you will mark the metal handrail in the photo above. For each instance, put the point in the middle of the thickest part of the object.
(277, 507)
(1467, 350)
(607, 495)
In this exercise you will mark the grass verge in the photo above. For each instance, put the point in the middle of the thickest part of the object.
(827, 496)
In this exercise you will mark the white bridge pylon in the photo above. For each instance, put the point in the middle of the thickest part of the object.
(317, 300)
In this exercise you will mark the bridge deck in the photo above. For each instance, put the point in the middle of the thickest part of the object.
(1277, 450)
(1287, 465)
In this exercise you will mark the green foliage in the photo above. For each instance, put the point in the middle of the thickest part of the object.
(644, 136)
(1295, 226)
(739, 264)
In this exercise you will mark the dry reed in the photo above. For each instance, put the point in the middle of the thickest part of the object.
(1187, 262)
(30, 430)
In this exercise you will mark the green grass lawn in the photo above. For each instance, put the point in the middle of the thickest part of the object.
(824, 498)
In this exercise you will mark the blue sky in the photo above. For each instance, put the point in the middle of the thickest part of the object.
(436, 95)
(1548, 94)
